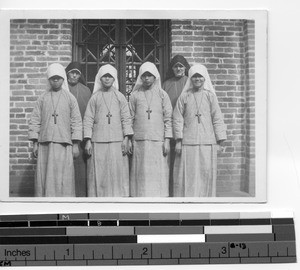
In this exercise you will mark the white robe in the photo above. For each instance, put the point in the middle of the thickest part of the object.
(55, 169)
(195, 170)
(108, 169)
(149, 174)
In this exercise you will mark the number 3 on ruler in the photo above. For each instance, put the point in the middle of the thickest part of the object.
(224, 250)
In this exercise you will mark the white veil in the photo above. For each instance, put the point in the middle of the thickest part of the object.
(202, 70)
(151, 68)
(57, 69)
(102, 71)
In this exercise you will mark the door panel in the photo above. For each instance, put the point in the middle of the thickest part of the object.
(125, 44)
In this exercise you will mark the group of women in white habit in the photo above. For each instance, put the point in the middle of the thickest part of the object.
(162, 143)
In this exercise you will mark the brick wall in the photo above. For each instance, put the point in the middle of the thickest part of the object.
(250, 106)
(34, 45)
(226, 48)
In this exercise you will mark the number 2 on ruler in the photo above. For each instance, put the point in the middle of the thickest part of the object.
(145, 251)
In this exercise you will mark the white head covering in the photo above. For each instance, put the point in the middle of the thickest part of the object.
(147, 67)
(57, 70)
(200, 69)
(102, 71)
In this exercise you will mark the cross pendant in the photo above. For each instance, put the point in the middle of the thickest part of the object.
(109, 115)
(198, 115)
(149, 111)
(54, 115)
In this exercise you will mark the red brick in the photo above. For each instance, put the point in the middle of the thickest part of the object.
(50, 37)
(31, 26)
(18, 21)
(37, 32)
(36, 42)
(16, 110)
(60, 21)
(21, 48)
(24, 59)
(22, 81)
(16, 53)
(224, 33)
(226, 44)
(56, 26)
(182, 22)
(53, 53)
(23, 138)
(34, 53)
(18, 132)
(223, 55)
(59, 42)
(193, 38)
(191, 27)
(204, 44)
(225, 155)
(29, 110)
(38, 21)
(17, 99)
(60, 32)
(183, 43)
(22, 93)
(204, 49)
(46, 59)
(204, 33)
(175, 27)
(18, 121)
(214, 28)
(36, 75)
(203, 22)
(24, 160)
(234, 28)
(19, 144)
(27, 36)
(16, 76)
(224, 23)
(23, 127)
(25, 104)
(233, 160)
(34, 98)
(66, 26)
(13, 64)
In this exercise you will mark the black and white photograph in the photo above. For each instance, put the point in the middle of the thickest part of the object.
(136, 106)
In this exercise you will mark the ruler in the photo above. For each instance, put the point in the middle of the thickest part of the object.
(146, 239)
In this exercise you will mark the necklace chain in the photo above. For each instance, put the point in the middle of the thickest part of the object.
(198, 106)
(109, 115)
(148, 103)
(55, 108)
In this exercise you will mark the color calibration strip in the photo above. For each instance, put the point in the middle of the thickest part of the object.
(146, 239)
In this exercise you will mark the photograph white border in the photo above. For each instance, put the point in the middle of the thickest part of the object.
(260, 17)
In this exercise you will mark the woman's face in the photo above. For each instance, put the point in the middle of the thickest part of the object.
(179, 70)
(148, 79)
(73, 77)
(107, 81)
(56, 82)
(198, 81)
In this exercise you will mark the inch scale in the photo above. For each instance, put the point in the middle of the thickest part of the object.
(146, 239)
(148, 254)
